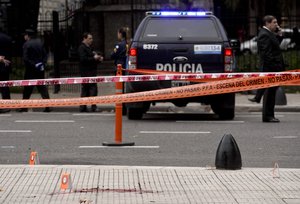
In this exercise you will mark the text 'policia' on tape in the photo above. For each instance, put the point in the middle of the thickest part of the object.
(209, 88)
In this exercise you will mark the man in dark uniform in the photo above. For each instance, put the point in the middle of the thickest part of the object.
(271, 59)
(35, 58)
(5, 68)
(88, 68)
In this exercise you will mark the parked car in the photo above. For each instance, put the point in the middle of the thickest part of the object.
(250, 46)
(191, 42)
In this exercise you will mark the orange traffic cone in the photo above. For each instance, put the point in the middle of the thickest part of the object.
(34, 158)
(66, 182)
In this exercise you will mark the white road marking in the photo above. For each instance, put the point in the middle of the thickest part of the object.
(7, 147)
(174, 132)
(259, 113)
(15, 131)
(48, 113)
(256, 116)
(116, 147)
(211, 121)
(5, 115)
(93, 114)
(44, 121)
(285, 137)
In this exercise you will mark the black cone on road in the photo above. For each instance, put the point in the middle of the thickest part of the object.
(228, 154)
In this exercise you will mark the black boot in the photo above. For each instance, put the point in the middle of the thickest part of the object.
(83, 108)
(94, 108)
(22, 110)
(254, 100)
(4, 110)
(47, 110)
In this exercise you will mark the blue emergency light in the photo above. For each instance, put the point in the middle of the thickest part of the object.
(179, 13)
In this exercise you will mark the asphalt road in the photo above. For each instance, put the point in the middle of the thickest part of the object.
(165, 137)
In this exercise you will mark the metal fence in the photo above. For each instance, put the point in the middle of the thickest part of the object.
(245, 61)
(247, 58)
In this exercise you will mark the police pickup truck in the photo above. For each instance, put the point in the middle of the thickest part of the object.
(187, 42)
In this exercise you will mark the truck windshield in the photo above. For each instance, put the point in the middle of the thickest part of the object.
(181, 29)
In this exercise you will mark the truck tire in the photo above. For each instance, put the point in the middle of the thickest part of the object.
(134, 113)
(224, 106)
(224, 113)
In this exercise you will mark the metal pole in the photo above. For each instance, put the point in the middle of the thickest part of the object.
(118, 122)
(118, 110)
(56, 49)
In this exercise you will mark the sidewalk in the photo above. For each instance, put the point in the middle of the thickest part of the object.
(165, 185)
(244, 105)
(124, 184)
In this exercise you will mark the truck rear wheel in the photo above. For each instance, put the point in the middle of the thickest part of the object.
(224, 113)
(224, 106)
(134, 113)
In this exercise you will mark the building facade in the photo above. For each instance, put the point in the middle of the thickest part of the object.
(65, 8)
(105, 17)
(287, 13)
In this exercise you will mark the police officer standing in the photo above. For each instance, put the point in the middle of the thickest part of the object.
(119, 55)
(5, 68)
(35, 58)
(88, 68)
(271, 59)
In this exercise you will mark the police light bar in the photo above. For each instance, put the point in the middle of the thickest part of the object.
(179, 13)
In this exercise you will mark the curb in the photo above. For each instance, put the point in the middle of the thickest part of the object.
(252, 108)
(162, 108)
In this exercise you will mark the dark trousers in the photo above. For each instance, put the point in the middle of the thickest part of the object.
(269, 103)
(4, 76)
(42, 89)
(259, 94)
(88, 90)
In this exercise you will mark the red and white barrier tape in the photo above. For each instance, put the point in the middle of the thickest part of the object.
(135, 78)
(199, 89)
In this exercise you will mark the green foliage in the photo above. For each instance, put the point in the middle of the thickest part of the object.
(17, 73)
(292, 59)
(247, 63)
(250, 62)
(18, 69)
(233, 4)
